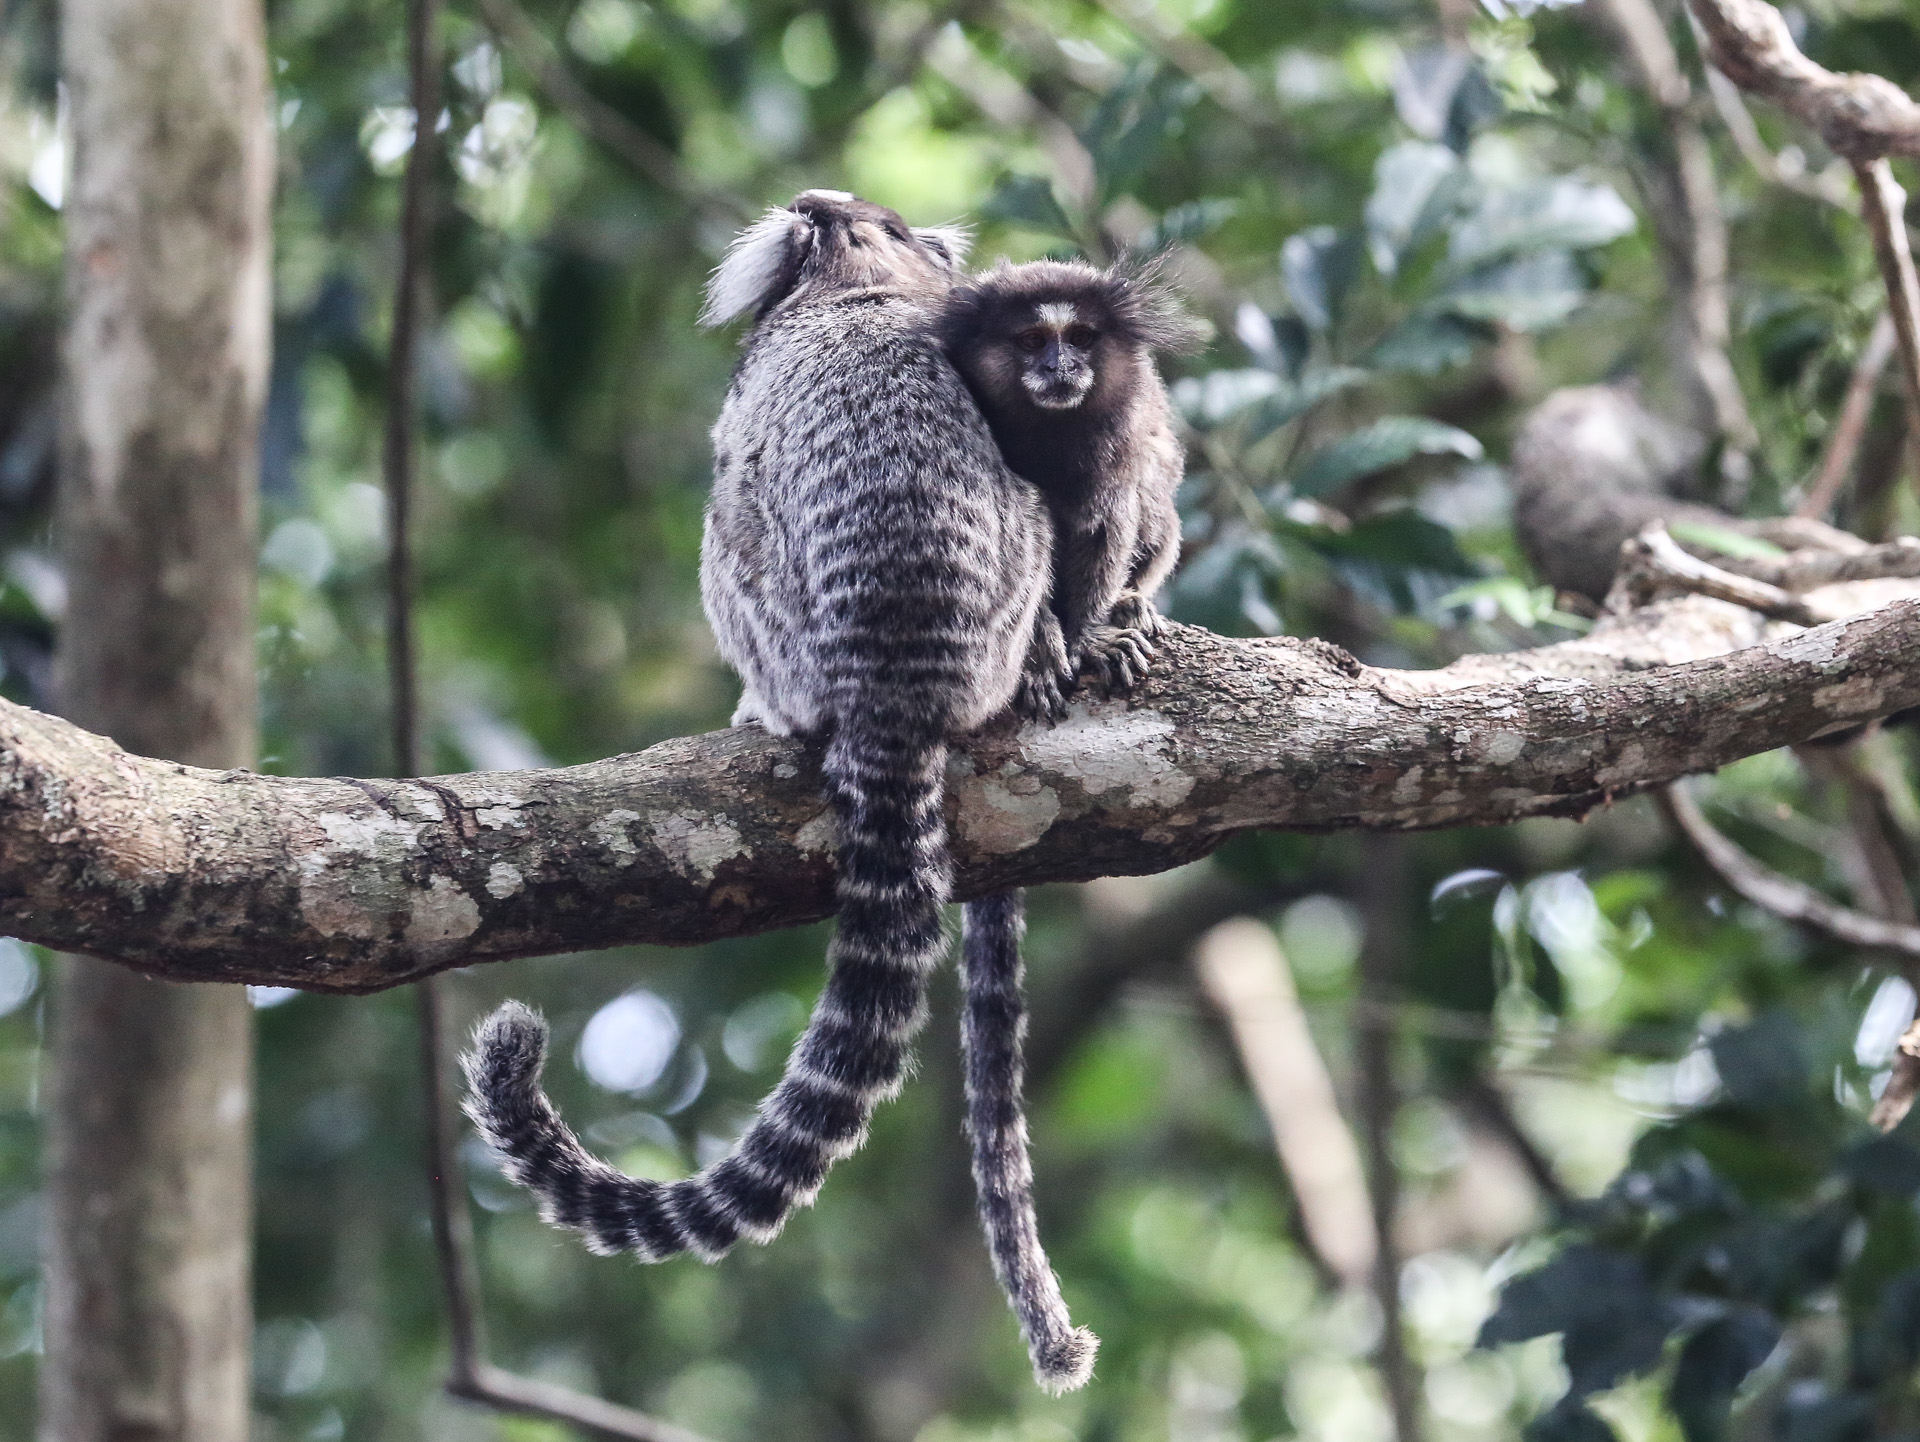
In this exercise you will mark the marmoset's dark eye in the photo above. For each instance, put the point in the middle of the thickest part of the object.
(1081, 337)
(1031, 341)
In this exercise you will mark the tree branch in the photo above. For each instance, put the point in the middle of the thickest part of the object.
(1245, 974)
(1864, 118)
(353, 886)
(1861, 117)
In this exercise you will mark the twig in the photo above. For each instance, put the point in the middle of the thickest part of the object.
(1795, 901)
(506, 1392)
(1848, 431)
(1245, 974)
(452, 1222)
(1826, 187)
(469, 1374)
(636, 147)
(1782, 895)
(1805, 570)
(1652, 560)
(1883, 205)
(1383, 898)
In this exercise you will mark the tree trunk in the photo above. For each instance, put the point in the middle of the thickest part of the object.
(149, 1194)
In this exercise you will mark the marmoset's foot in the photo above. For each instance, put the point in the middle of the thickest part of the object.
(1041, 694)
(1120, 656)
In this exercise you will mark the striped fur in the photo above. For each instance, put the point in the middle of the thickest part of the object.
(876, 575)
(993, 1025)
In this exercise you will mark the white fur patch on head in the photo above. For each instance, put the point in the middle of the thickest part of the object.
(952, 241)
(840, 196)
(1057, 313)
(753, 262)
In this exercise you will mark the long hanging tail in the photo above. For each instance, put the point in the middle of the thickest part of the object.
(992, 1029)
(884, 780)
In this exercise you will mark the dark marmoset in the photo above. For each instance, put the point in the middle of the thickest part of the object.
(1059, 357)
(878, 577)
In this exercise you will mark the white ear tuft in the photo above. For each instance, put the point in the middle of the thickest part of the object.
(951, 241)
(753, 264)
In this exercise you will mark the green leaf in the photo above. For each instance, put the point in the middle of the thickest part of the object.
(1386, 442)
(1225, 586)
(1612, 1322)
(1713, 1363)
(1763, 1064)
(1185, 223)
(1726, 542)
(1570, 1422)
(1407, 180)
(1558, 214)
(1426, 344)
(1399, 538)
(1530, 293)
(1319, 267)
(1133, 120)
(1268, 400)
(1028, 200)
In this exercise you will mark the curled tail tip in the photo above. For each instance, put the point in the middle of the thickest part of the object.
(1065, 1363)
(509, 1051)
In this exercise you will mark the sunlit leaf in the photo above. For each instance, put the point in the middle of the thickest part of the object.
(1558, 214)
(1406, 181)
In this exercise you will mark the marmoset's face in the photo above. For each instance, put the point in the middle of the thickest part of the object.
(1055, 344)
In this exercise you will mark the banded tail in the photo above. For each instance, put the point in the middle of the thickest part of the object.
(884, 778)
(992, 1029)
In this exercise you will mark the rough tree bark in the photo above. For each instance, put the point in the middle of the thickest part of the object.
(344, 885)
(149, 1177)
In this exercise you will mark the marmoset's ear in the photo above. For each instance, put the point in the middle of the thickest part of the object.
(950, 242)
(759, 267)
